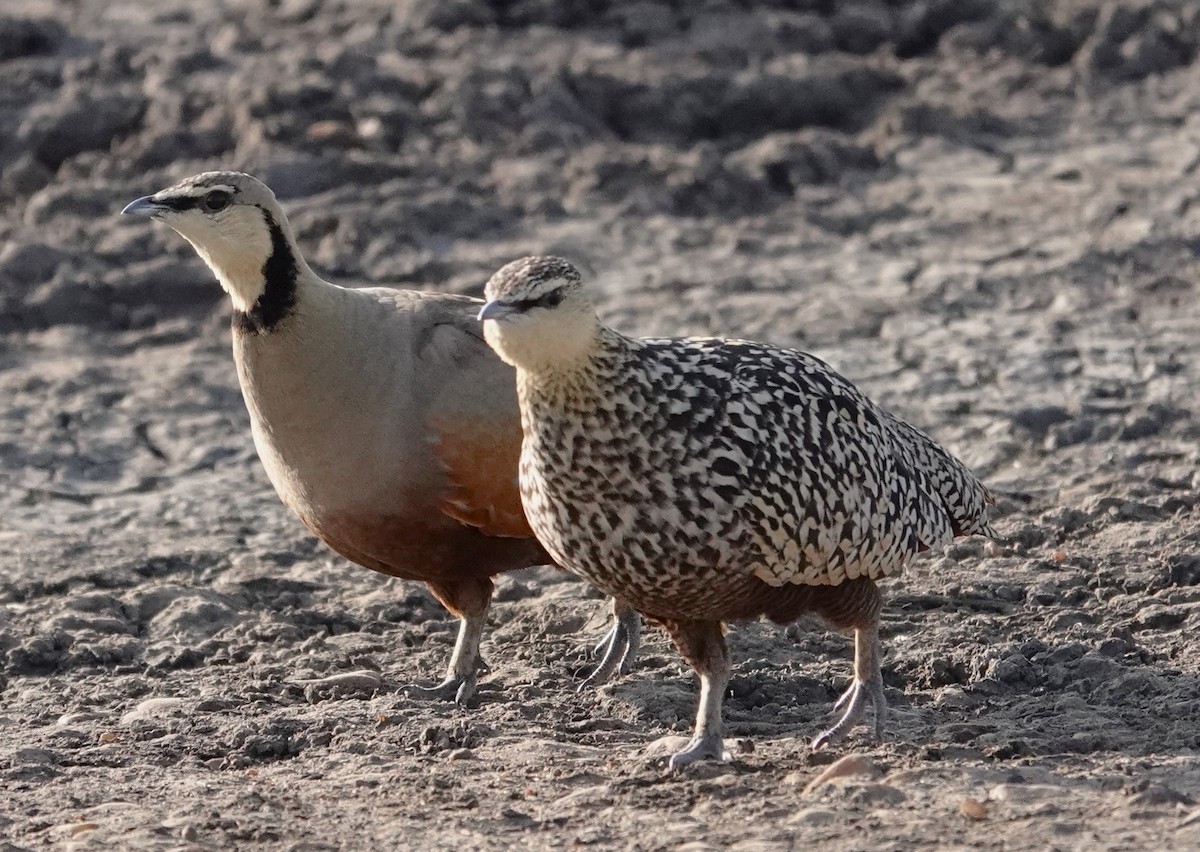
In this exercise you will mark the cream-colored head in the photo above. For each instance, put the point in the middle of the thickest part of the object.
(538, 318)
(234, 223)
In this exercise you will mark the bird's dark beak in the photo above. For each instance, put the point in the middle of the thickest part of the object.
(495, 310)
(145, 206)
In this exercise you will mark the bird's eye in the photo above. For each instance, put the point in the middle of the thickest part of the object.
(216, 200)
(551, 299)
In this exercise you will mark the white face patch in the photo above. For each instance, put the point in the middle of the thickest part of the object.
(542, 338)
(543, 320)
(234, 242)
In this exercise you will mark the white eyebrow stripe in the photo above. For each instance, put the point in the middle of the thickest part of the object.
(200, 191)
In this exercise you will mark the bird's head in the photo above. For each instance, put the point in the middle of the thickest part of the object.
(234, 223)
(537, 315)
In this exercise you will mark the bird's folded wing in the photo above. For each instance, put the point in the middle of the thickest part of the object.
(963, 496)
(474, 422)
(483, 489)
(831, 494)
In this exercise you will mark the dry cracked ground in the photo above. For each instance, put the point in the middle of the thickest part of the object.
(984, 212)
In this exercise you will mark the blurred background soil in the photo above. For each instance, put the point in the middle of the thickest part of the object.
(982, 211)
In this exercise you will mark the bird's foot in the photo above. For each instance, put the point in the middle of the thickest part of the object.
(631, 623)
(618, 648)
(855, 700)
(707, 746)
(456, 688)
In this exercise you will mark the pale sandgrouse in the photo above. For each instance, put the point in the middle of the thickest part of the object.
(382, 418)
(707, 480)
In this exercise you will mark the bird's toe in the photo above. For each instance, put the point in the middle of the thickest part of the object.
(853, 704)
(854, 700)
(617, 650)
(458, 689)
(702, 747)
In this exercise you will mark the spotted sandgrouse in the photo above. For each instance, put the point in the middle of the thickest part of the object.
(707, 480)
(381, 416)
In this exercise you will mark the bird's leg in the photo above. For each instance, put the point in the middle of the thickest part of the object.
(855, 604)
(468, 600)
(867, 686)
(619, 646)
(702, 645)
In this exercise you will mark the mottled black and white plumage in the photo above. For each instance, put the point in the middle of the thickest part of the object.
(706, 480)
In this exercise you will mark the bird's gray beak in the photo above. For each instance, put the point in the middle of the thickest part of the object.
(144, 206)
(494, 310)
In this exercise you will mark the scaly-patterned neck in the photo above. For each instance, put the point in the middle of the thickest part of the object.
(577, 383)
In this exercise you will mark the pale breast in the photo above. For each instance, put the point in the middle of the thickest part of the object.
(335, 419)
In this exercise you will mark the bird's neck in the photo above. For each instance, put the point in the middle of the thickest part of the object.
(265, 296)
(572, 382)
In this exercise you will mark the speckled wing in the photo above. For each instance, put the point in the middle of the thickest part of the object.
(835, 489)
(963, 496)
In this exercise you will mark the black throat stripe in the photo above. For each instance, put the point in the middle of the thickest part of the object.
(279, 286)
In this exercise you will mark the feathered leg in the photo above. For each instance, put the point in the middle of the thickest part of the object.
(702, 644)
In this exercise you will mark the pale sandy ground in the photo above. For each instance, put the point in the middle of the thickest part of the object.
(984, 212)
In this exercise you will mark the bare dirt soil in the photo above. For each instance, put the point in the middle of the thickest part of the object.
(984, 212)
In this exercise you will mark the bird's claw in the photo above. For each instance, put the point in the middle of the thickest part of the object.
(456, 688)
(855, 700)
(618, 648)
(702, 747)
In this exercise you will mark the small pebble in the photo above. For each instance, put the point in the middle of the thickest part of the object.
(812, 816)
(743, 745)
(152, 708)
(364, 682)
(1023, 793)
(850, 765)
(972, 808)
